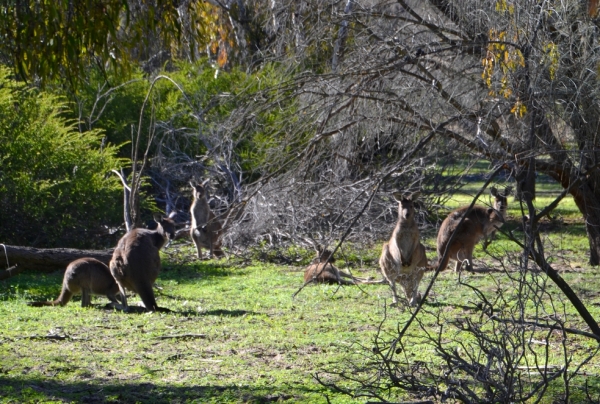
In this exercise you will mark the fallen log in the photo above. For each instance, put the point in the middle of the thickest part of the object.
(48, 259)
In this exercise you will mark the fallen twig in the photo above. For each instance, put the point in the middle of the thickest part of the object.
(181, 336)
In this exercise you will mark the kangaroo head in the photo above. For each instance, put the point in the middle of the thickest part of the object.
(166, 226)
(199, 190)
(323, 255)
(406, 205)
(500, 201)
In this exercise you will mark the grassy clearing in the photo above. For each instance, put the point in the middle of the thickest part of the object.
(237, 335)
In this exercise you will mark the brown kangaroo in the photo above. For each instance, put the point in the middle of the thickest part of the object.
(479, 223)
(403, 258)
(206, 228)
(323, 271)
(135, 263)
(88, 276)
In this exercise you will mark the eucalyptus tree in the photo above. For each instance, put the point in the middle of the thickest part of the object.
(47, 40)
(511, 82)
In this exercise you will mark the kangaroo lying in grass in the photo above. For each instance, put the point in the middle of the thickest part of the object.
(135, 263)
(88, 276)
(403, 258)
(479, 223)
(322, 270)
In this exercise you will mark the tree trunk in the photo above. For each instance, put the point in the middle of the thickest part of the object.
(587, 198)
(48, 259)
(589, 204)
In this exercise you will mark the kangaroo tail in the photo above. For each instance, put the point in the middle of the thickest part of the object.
(369, 281)
(63, 298)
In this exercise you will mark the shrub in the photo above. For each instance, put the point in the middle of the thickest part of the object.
(55, 182)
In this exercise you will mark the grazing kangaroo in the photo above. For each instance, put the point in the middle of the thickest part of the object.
(479, 223)
(322, 270)
(403, 258)
(206, 228)
(135, 263)
(88, 276)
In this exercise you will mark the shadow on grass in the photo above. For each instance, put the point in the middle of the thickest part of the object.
(188, 313)
(47, 286)
(41, 389)
(197, 271)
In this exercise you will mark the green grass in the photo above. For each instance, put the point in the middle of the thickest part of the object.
(249, 340)
(237, 336)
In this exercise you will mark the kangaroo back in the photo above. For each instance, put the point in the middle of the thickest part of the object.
(322, 270)
(403, 257)
(135, 264)
(206, 228)
(87, 276)
(478, 223)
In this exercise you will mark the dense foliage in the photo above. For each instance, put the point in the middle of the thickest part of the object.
(55, 183)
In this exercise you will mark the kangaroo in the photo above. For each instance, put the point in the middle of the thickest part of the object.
(322, 270)
(479, 223)
(88, 276)
(206, 228)
(135, 263)
(403, 257)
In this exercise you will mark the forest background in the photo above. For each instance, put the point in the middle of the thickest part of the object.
(304, 115)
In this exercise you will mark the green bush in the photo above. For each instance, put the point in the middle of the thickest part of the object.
(55, 183)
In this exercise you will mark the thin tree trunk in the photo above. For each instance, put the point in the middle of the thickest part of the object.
(340, 44)
(48, 259)
(10, 272)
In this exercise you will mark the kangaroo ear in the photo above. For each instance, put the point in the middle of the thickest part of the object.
(398, 196)
(205, 182)
(157, 217)
(172, 214)
(192, 185)
(490, 210)
(507, 191)
(414, 196)
(493, 191)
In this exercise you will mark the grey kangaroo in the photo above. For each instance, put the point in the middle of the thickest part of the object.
(403, 257)
(88, 276)
(479, 223)
(206, 228)
(135, 263)
(322, 270)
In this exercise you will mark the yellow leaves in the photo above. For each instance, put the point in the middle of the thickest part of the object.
(502, 58)
(213, 31)
(500, 61)
(222, 58)
(519, 109)
(552, 58)
(503, 6)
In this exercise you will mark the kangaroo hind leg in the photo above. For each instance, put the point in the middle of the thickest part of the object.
(147, 296)
(86, 297)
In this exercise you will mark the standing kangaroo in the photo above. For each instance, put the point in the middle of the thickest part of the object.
(479, 223)
(135, 263)
(206, 228)
(403, 258)
(88, 276)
